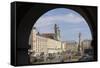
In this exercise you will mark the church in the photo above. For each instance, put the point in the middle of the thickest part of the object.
(46, 42)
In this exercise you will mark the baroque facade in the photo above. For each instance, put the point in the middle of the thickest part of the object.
(46, 42)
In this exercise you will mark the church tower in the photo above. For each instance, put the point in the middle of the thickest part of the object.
(57, 32)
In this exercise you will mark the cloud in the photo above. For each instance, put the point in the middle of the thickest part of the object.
(71, 25)
(67, 18)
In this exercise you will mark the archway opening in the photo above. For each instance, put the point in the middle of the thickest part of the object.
(60, 31)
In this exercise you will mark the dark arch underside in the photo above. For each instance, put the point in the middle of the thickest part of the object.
(28, 14)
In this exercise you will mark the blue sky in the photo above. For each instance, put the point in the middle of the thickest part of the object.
(69, 22)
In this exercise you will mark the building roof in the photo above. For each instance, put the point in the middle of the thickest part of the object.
(48, 35)
(87, 40)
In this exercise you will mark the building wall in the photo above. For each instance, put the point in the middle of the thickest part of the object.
(72, 46)
(86, 44)
(64, 47)
(54, 46)
(42, 44)
(39, 44)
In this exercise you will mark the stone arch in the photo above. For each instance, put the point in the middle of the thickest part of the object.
(26, 24)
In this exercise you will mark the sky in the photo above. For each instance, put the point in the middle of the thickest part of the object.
(69, 22)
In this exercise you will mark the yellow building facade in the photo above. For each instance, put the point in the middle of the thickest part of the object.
(41, 44)
(54, 46)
